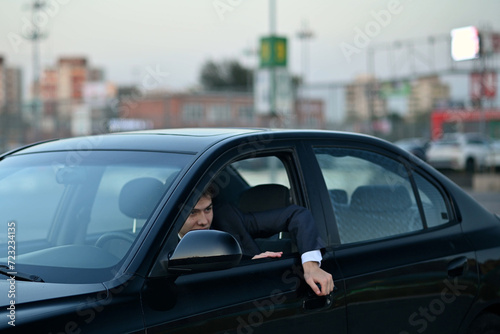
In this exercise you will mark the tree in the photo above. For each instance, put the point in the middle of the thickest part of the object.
(227, 75)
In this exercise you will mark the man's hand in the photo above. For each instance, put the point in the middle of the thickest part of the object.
(267, 254)
(313, 275)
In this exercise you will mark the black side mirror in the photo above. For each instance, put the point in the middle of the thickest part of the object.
(204, 250)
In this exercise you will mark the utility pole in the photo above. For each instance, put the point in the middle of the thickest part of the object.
(272, 33)
(304, 34)
(35, 36)
(370, 89)
(272, 89)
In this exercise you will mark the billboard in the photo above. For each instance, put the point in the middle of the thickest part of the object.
(465, 43)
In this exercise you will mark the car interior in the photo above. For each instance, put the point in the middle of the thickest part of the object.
(375, 211)
(255, 198)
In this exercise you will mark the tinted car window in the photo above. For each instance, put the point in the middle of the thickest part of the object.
(371, 194)
(262, 170)
(261, 184)
(433, 202)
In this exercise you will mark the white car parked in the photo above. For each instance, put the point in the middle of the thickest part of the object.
(461, 151)
(493, 160)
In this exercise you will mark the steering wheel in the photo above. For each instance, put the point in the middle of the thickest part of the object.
(107, 237)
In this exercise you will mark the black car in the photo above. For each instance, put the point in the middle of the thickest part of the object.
(90, 237)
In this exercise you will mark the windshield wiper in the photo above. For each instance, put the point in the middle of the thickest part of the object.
(19, 276)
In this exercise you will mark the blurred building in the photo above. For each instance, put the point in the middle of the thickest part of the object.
(74, 97)
(451, 120)
(11, 127)
(72, 73)
(212, 109)
(13, 89)
(363, 102)
(96, 74)
(10, 87)
(2, 82)
(310, 114)
(66, 80)
(426, 93)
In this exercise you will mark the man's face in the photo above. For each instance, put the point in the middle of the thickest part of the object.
(200, 217)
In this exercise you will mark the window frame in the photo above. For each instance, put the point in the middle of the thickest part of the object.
(287, 152)
(411, 166)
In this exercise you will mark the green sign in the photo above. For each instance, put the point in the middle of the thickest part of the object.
(273, 52)
(395, 88)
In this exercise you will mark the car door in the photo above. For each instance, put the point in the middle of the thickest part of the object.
(406, 266)
(256, 296)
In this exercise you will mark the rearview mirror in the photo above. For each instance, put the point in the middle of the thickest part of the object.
(204, 250)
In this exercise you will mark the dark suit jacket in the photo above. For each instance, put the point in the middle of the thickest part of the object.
(298, 221)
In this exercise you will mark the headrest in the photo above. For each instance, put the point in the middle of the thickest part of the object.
(380, 198)
(264, 197)
(139, 197)
(338, 196)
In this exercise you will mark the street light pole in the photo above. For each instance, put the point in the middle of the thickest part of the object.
(272, 31)
(35, 36)
(304, 34)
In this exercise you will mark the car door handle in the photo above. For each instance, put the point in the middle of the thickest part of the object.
(456, 267)
(318, 302)
(314, 302)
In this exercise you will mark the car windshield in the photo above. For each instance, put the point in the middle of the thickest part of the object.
(70, 210)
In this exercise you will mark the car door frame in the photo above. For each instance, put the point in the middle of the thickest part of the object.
(280, 302)
(358, 259)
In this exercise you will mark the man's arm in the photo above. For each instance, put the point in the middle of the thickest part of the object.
(300, 223)
(314, 275)
(297, 220)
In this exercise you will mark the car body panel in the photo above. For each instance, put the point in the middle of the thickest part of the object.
(73, 308)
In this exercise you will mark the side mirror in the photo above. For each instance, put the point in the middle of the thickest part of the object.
(204, 250)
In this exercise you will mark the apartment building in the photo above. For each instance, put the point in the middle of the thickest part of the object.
(216, 109)
(426, 92)
(362, 100)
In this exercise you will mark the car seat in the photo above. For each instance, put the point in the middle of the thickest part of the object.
(265, 197)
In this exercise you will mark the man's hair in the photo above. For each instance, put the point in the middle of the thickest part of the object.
(209, 191)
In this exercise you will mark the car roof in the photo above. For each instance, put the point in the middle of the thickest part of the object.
(179, 140)
(185, 140)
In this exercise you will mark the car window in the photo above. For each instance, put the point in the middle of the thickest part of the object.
(262, 170)
(433, 202)
(371, 194)
(477, 141)
(254, 185)
(68, 206)
(107, 215)
(20, 190)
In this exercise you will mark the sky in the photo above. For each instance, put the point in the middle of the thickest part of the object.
(173, 38)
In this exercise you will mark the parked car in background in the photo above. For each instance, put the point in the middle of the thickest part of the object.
(417, 146)
(90, 237)
(460, 151)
